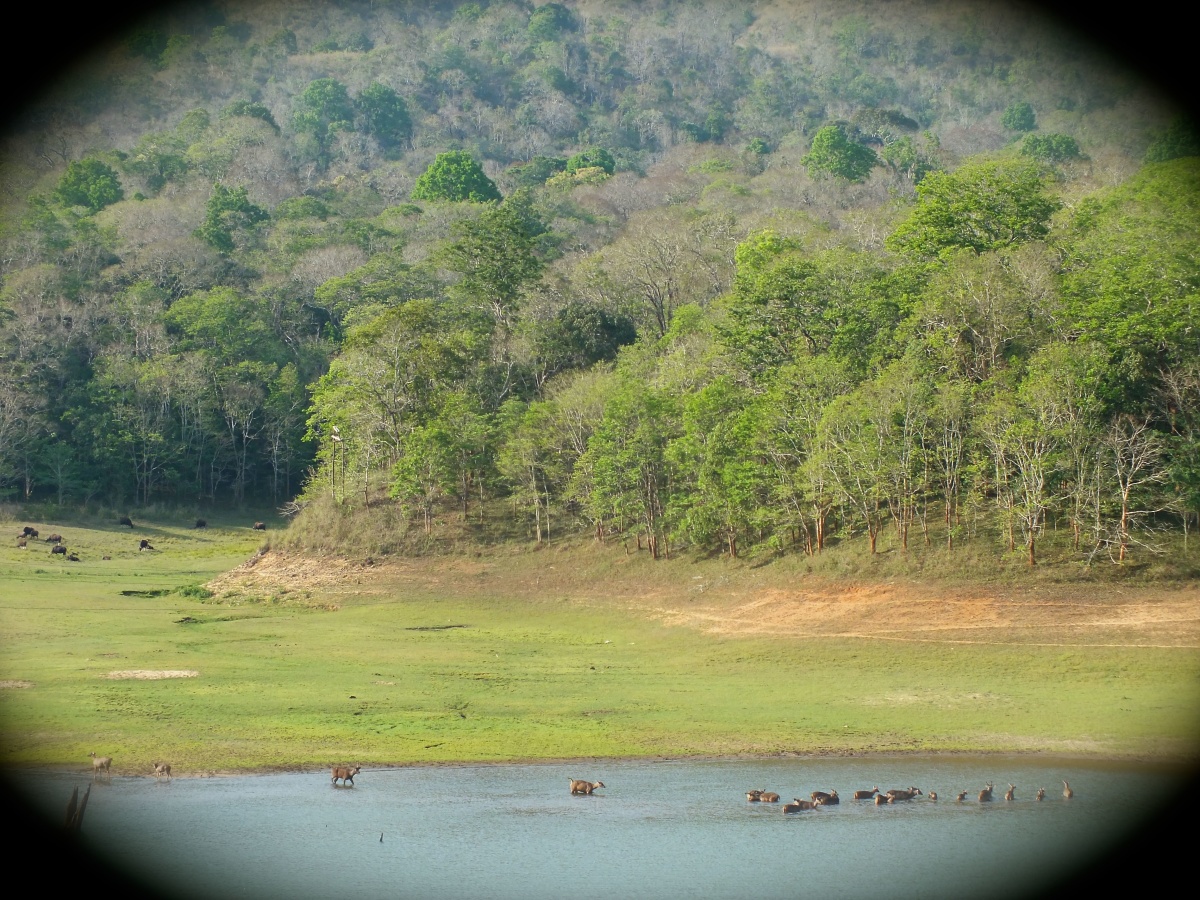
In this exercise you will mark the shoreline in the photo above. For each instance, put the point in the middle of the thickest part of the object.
(1183, 766)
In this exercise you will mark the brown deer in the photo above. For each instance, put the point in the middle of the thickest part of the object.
(962, 795)
(161, 769)
(100, 762)
(1041, 794)
(933, 796)
(584, 787)
(900, 794)
(1067, 792)
(985, 796)
(866, 795)
(768, 797)
(797, 805)
(346, 773)
(821, 798)
(1009, 794)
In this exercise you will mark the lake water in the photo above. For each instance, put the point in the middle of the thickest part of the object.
(679, 829)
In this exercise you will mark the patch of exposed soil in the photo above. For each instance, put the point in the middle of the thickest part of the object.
(15, 685)
(734, 604)
(152, 674)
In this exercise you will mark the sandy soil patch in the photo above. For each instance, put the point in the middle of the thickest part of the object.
(731, 604)
(15, 685)
(152, 674)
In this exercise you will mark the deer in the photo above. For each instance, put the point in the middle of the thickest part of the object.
(985, 796)
(797, 805)
(1009, 794)
(100, 762)
(1067, 792)
(866, 795)
(821, 798)
(161, 769)
(585, 788)
(1041, 794)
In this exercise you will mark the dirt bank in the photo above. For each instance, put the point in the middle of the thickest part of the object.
(737, 602)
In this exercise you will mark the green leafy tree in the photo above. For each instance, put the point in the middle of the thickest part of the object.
(1054, 148)
(834, 153)
(596, 157)
(90, 183)
(322, 110)
(981, 206)
(1181, 139)
(1019, 116)
(549, 21)
(230, 217)
(455, 176)
(385, 115)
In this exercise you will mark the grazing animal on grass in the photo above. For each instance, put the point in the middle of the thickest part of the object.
(22, 544)
(1009, 794)
(584, 787)
(144, 545)
(59, 548)
(260, 526)
(821, 798)
(72, 557)
(797, 805)
(29, 531)
(126, 521)
(962, 795)
(161, 769)
(985, 796)
(54, 539)
(1041, 794)
(866, 795)
(100, 762)
(901, 794)
(1067, 792)
(200, 523)
(346, 773)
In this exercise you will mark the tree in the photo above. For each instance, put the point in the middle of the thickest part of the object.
(229, 215)
(981, 206)
(834, 153)
(596, 157)
(1053, 148)
(1179, 140)
(323, 109)
(385, 115)
(1019, 117)
(89, 183)
(455, 176)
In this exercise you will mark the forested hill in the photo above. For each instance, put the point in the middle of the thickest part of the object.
(714, 274)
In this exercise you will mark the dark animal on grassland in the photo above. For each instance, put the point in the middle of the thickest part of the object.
(59, 548)
(100, 762)
(584, 787)
(1067, 792)
(985, 796)
(260, 526)
(821, 798)
(200, 523)
(797, 805)
(144, 545)
(346, 773)
(73, 557)
(866, 795)
(126, 521)
(54, 539)
(161, 769)
(30, 531)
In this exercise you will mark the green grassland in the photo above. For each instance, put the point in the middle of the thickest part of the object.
(415, 673)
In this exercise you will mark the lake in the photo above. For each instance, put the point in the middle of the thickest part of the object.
(671, 829)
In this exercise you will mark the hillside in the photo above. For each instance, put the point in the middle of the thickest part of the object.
(730, 278)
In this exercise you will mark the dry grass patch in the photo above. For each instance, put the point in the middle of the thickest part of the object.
(151, 674)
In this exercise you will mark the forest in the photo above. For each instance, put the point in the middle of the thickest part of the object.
(723, 276)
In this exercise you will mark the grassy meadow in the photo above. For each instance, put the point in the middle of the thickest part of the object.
(473, 669)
